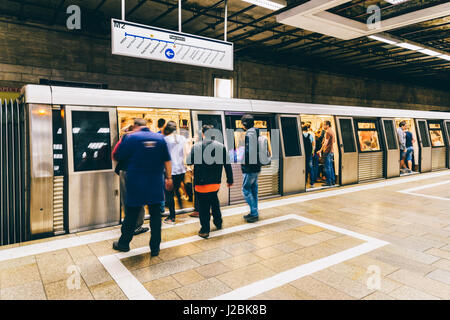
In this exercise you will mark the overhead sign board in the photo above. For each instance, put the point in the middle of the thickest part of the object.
(140, 41)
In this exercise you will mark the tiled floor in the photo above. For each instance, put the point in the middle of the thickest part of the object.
(415, 264)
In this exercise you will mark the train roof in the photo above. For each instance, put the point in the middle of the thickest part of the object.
(43, 94)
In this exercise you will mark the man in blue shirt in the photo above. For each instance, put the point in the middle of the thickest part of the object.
(148, 159)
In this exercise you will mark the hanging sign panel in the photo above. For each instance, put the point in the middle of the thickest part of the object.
(140, 41)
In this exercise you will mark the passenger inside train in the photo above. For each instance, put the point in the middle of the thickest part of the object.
(314, 137)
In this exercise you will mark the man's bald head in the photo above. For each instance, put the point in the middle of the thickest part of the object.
(139, 122)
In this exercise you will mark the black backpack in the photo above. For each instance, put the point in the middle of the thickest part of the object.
(308, 144)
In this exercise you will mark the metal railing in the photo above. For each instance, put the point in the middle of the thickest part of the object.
(13, 218)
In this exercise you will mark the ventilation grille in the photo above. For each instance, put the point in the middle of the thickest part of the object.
(370, 166)
(268, 182)
(438, 156)
(58, 204)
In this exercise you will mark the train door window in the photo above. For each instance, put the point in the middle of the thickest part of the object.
(214, 120)
(368, 138)
(58, 142)
(424, 134)
(91, 140)
(436, 134)
(390, 134)
(291, 140)
(347, 135)
(239, 135)
(448, 130)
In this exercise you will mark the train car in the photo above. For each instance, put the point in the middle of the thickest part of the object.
(58, 177)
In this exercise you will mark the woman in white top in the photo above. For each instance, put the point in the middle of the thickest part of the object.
(177, 148)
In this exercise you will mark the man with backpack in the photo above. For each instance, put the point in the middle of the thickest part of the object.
(256, 154)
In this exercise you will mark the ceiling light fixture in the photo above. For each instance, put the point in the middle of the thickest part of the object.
(268, 4)
(383, 39)
(396, 1)
(444, 56)
(429, 52)
(409, 46)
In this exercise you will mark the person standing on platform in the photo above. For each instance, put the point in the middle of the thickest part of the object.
(148, 159)
(161, 122)
(120, 170)
(177, 149)
(250, 167)
(402, 141)
(327, 152)
(209, 157)
(309, 149)
(409, 142)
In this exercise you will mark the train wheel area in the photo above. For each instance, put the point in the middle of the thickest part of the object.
(327, 244)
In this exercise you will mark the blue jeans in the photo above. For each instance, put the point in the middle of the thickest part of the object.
(329, 168)
(250, 191)
(315, 169)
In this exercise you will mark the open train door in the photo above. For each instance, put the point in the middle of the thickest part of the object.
(293, 154)
(424, 145)
(392, 148)
(347, 148)
(447, 132)
(217, 120)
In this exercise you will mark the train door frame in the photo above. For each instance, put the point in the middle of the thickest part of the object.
(438, 153)
(294, 167)
(392, 152)
(110, 201)
(223, 193)
(348, 158)
(447, 134)
(272, 124)
(424, 152)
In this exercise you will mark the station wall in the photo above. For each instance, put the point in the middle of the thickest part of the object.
(31, 52)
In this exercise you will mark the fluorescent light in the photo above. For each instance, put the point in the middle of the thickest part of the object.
(409, 46)
(445, 57)
(429, 52)
(396, 1)
(382, 39)
(268, 4)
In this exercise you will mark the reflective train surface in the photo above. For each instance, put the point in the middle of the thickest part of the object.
(57, 175)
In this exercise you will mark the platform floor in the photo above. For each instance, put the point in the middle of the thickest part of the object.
(387, 239)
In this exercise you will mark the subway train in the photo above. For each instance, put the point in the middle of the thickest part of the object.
(57, 175)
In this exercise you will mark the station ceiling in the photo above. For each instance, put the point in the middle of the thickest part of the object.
(257, 35)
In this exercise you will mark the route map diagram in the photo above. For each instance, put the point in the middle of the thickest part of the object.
(135, 40)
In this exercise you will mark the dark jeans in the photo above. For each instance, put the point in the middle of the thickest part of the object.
(329, 168)
(170, 202)
(315, 168)
(129, 224)
(123, 193)
(309, 169)
(208, 202)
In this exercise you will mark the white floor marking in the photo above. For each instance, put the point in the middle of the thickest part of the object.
(78, 240)
(427, 186)
(133, 289)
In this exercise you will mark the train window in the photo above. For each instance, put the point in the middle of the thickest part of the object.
(211, 119)
(437, 137)
(368, 136)
(290, 137)
(390, 134)
(347, 135)
(424, 134)
(58, 142)
(91, 140)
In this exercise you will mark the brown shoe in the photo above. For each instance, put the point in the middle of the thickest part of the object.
(194, 214)
(203, 235)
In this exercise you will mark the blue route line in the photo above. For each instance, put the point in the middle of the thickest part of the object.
(136, 36)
